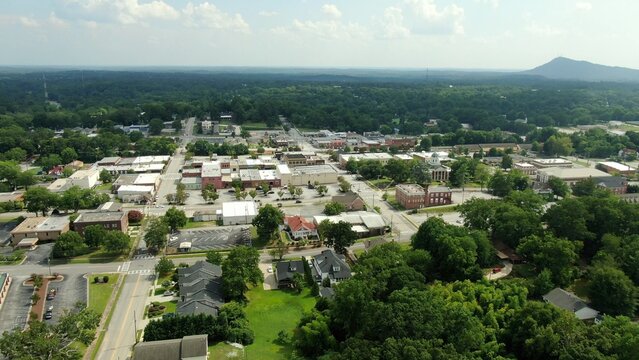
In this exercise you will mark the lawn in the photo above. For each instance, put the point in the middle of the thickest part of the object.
(224, 351)
(439, 209)
(256, 126)
(95, 257)
(106, 186)
(100, 293)
(169, 306)
(268, 313)
(198, 224)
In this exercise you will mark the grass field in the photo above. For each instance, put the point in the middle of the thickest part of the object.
(95, 257)
(100, 293)
(224, 351)
(438, 209)
(268, 313)
(198, 224)
(170, 306)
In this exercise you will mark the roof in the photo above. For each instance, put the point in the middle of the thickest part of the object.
(28, 225)
(370, 219)
(333, 264)
(568, 301)
(326, 292)
(188, 348)
(573, 173)
(617, 166)
(54, 223)
(211, 169)
(411, 189)
(136, 188)
(523, 165)
(110, 206)
(285, 270)
(239, 208)
(314, 169)
(297, 223)
(438, 189)
(200, 289)
(146, 179)
(81, 174)
(610, 181)
(102, 216)
(551, 161)
(346, 198)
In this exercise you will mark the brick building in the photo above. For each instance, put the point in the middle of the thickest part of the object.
(412, 196)
(109, 220)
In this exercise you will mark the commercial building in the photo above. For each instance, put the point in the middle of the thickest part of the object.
(238, 212)
(212, 175)
(32, 230)
(85, 179)
(551, 163)
(140, 164)
(569, 175)
(111, 220)
(151, 179)
(200, 288)
(252, 178)
(613, 167)
(526, 168)
(300, 228)
(413, 196)
(136, 193)
(304, 175)
(192, 183)
(365, 224)
(381, 157)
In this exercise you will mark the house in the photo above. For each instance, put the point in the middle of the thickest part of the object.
(286, 270)
(300, 228)
(34, 229)
(109, 220)
(200, 288)
(238, 212)
(352, 201)
(365, 224)
(193, 347)
(568, 301)
(329, 265)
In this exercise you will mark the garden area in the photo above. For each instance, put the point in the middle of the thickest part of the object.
(100, 291)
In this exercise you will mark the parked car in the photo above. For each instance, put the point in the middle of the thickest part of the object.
(496, 270)
(49, 313)
(270, 269)
(271, 192)
(168, 293)
(298, 201)
(279, 204)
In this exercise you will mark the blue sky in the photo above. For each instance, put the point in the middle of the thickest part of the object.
(480, 34)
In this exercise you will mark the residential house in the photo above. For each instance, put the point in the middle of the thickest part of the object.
(300, 228)
(364, 224)
(330, 265)
(286, 270)
(200, 288)
(568, 301)
(351, 200)
(193, 347)
(109, 220)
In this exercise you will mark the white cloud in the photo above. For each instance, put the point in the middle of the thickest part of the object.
(324, 30)
(393, 24)
(332, 11)
(493, 3)
(544, 30)
(126, 11)
(583, 6)
(56, 21)
(90, 24)
(267, 13)
(28, 22)
(208, 15)
(453, 15)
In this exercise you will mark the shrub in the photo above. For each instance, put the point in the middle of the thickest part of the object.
(96, 279)
(135, 216)
(166, 283)
(105, 279)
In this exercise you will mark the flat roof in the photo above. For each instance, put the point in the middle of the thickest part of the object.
(239, 208)
(573, 173)
(28, 225)
(314, 169)
(617, 166)
(80, 174)
(411, 189)
(100, 216)
(283, 169)
(136, 188)
(211, 169)
(551, 161)
(146, 179)
(53, 223)
(524, 165)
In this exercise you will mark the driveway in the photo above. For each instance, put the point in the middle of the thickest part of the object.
(39, 255)
(505, 271)
(270, 283)
(15, 310)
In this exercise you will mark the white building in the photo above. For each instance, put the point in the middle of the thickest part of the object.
(85, 179)
(304, 175)
(238, 212)
(381, 157)
(136, 193)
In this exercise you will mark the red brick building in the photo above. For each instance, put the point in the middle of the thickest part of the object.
(412, 196)
(109, 220)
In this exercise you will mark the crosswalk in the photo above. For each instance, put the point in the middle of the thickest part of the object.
(143, 257)
(140, 272)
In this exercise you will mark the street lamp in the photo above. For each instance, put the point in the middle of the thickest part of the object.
(49, 264)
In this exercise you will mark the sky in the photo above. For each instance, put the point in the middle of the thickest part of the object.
(461, 34)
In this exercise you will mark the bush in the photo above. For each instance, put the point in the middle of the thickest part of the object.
(105, 279)
(135, 216)
(96, 279)
(166, 283)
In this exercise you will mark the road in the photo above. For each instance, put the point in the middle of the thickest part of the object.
(171, 174)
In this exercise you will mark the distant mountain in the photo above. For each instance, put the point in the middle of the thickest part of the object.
(562, 68)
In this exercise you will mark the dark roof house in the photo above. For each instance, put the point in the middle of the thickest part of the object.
(330, 265)
(200, 289)
(351, 200)
(194, 347)
(571, 302)
(285, 270)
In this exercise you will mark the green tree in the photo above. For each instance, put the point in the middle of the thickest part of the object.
(117, 242)
(209, 193)
(68, 155)
(72, 198)
(425, 143)
(94, 236)
(313, 336)
(344, 186)
(506, 162)
(585, 187)
(106, 176)
(611, 291)
(558, 187)
(559, 256)
(420, 173)
(180, 194)
(68, 245)
(156, 233)
(334, 208)
(252, 193)
(511, 223)
(155, 126)
(165, 266)
(558, 145)
(26, 179)
(321, 190)
(175, 218)
(239, 268)
(351, 166)
(482, 175)
(39, 199)
(299, 191)
(340, 236)
(267, 221)
(279, 250)
(398, 170)
(214, 257)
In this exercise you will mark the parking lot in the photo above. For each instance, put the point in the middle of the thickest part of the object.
(15, 311)
(218, 238)
(71, 290)
(39, 255)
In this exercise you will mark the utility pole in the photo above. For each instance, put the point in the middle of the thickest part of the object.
(135, 329)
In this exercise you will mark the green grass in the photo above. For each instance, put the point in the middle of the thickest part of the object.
(438, 209)
(170, 306)
(256, 126)
(100, 293)
(198, 224)
(187, 255)
(523, 271)
(98, 343)
(580, 288)
(224, 351)
(95, 257)
(106, 186)
(268, 313)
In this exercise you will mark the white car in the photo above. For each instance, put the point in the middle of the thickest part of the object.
(270, 269)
